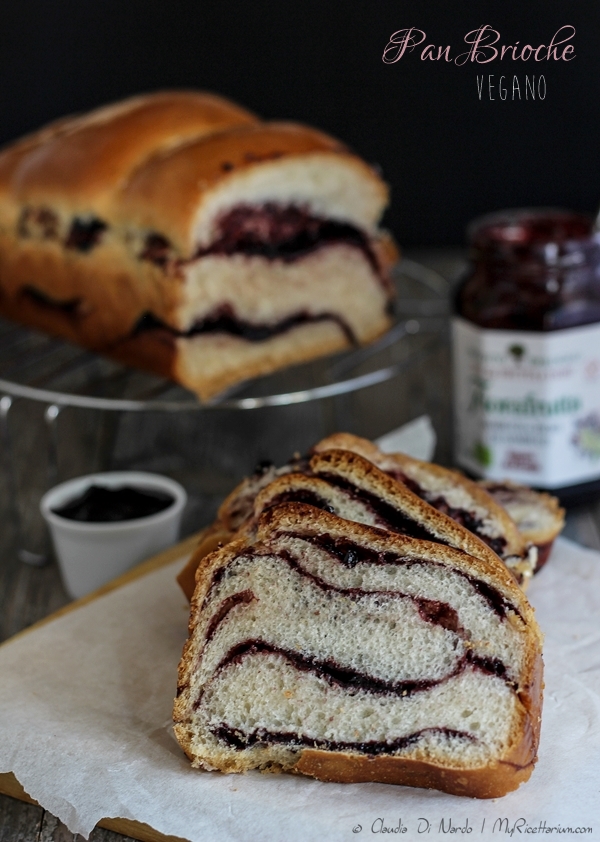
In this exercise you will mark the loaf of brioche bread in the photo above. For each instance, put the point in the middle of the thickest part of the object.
(348, 653)
(177, 232)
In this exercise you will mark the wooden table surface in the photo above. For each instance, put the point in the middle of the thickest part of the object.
(27, 594)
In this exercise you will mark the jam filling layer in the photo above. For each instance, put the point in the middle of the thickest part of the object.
(241, 598)
(462, 516)
(224, 320)
(261, 736)
(270, 230)
(391, 517)
(338, 675)
(351, 554)
(302, 495)
(283, 232)
(84, 234)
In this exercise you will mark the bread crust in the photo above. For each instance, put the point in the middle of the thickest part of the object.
(351, 465)
(400, 463)
(550, 504)
(170, 191)
(212, 539)
(356, 468)
(10, 158)
(346, 452)
(498, 778)
(79, 170)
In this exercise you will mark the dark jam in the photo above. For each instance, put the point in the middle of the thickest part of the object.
(110, 505)
(532, 270)
(283, 232)
(224, 320)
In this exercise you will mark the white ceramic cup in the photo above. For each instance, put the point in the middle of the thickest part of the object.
(91, 554)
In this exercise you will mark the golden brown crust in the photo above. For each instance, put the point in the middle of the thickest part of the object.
(352, 461)
(399, 463)
(10, 159)
(166, 193)
(355, 468)
(555, 520)
(80, 169)
(352, 465)
(488, 782)
(212, 539)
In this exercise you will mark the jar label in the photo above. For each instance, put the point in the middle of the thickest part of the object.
(527, 404)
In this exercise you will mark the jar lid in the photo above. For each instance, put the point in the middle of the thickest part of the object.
(524, 226)
(546, 234)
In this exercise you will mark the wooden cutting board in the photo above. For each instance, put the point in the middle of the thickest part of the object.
(9, 785)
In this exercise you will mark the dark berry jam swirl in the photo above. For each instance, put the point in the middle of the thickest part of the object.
(463, 516)
(349, 679)
(273, 231)
(350, 554)
(228, 604)
(224, 320)
(283, 232)
(389, 516)
(240, 740)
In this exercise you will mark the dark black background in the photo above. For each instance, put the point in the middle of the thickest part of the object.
(447, 155)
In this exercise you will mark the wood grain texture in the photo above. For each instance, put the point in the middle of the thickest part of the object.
(20, 822)
(180, 550)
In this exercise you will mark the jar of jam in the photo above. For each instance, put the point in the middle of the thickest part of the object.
(526, 349)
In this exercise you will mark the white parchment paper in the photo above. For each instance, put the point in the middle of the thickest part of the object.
(417, 438)
(85, 706)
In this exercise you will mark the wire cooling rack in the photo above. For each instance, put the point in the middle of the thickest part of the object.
(41, 368)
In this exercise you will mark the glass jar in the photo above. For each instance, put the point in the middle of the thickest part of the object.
(526, 349)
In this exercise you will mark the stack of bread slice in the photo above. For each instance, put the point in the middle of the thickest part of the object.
(345, 628)
(521, 538)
